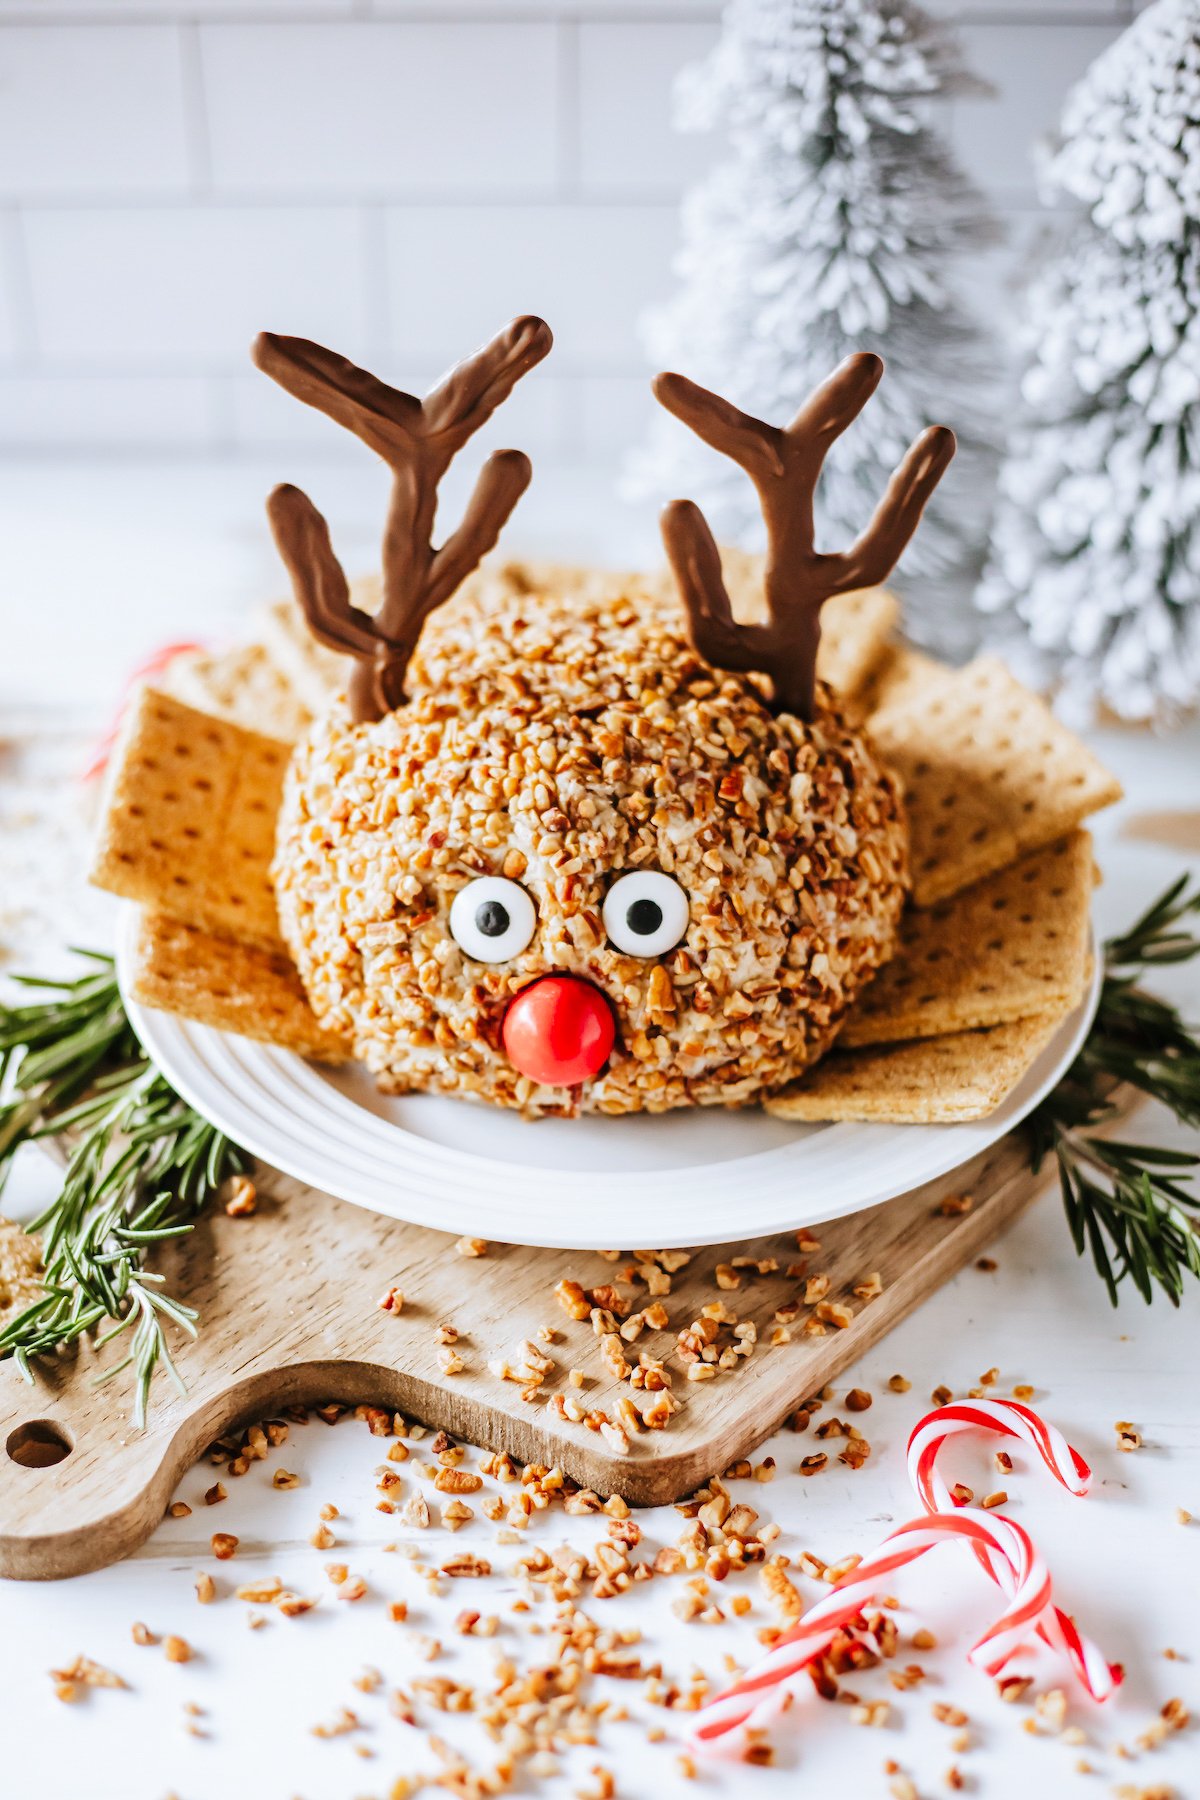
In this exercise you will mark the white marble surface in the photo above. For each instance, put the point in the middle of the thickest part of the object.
(126, 554)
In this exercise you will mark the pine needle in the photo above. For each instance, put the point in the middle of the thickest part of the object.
(142, 1165)
(1131, 1206)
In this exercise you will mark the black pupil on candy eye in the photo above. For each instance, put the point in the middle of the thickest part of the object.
(644, 917)
(492, 919)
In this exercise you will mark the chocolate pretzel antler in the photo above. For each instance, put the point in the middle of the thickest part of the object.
(417, 439)
(784, 464)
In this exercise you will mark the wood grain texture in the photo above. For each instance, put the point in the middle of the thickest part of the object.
(1173, 830)
(288, 1304)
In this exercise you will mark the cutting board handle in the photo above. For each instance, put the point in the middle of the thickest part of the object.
(289, 1315)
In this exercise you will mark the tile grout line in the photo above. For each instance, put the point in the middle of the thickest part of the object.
(24, 304)
(567, 122)
(345, 200)
(390, 12)
(195, 113)
(426, 367)
(377, 278)
(586, 198)
(219, 412)
(378, 212)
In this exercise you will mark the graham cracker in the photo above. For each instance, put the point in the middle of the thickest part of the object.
(244, 683)
(500, 577)
(1014, 945)
(936, 1081)
(902, 675)
(855, 628)
(189, 825)
(236, 987)
(989, 773)
(313, 673)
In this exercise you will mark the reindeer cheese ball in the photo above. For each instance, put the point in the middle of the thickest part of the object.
(574, 853)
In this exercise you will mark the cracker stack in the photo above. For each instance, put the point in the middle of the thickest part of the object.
(994, 949)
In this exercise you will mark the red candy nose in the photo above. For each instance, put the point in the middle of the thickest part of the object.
(559, 1032)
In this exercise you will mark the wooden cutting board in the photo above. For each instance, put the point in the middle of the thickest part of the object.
(288, 1304)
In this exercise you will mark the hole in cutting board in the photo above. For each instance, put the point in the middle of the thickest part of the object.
(38, 1444)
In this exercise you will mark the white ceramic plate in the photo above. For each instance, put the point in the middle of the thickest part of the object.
(637, 1183)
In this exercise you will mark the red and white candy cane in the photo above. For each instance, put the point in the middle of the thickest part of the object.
(1003, 1548)
(153, 665)
(1010, 1418)
(765, 1688)
(1007, 1418)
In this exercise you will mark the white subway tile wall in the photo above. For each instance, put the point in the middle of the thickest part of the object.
(1030, 68)
(92, 113)
(185, 288)
(394, 177)
(625, 137)
(13, 339)
(589, 269)
(439, 111)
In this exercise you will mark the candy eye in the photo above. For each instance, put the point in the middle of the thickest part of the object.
(492, 919)
(645, 913)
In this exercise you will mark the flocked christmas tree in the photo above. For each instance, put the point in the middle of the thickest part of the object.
(838, 223)
(1095, 579)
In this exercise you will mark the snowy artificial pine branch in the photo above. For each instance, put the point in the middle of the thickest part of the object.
(838, 223)
(1094, 582)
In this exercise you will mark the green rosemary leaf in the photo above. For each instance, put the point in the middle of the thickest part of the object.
(1130, 1204)
(141, 1165)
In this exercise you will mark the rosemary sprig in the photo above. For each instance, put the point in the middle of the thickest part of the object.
(1129, 1204)
(140, 1166)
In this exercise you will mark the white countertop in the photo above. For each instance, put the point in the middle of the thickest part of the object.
(126, 555)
